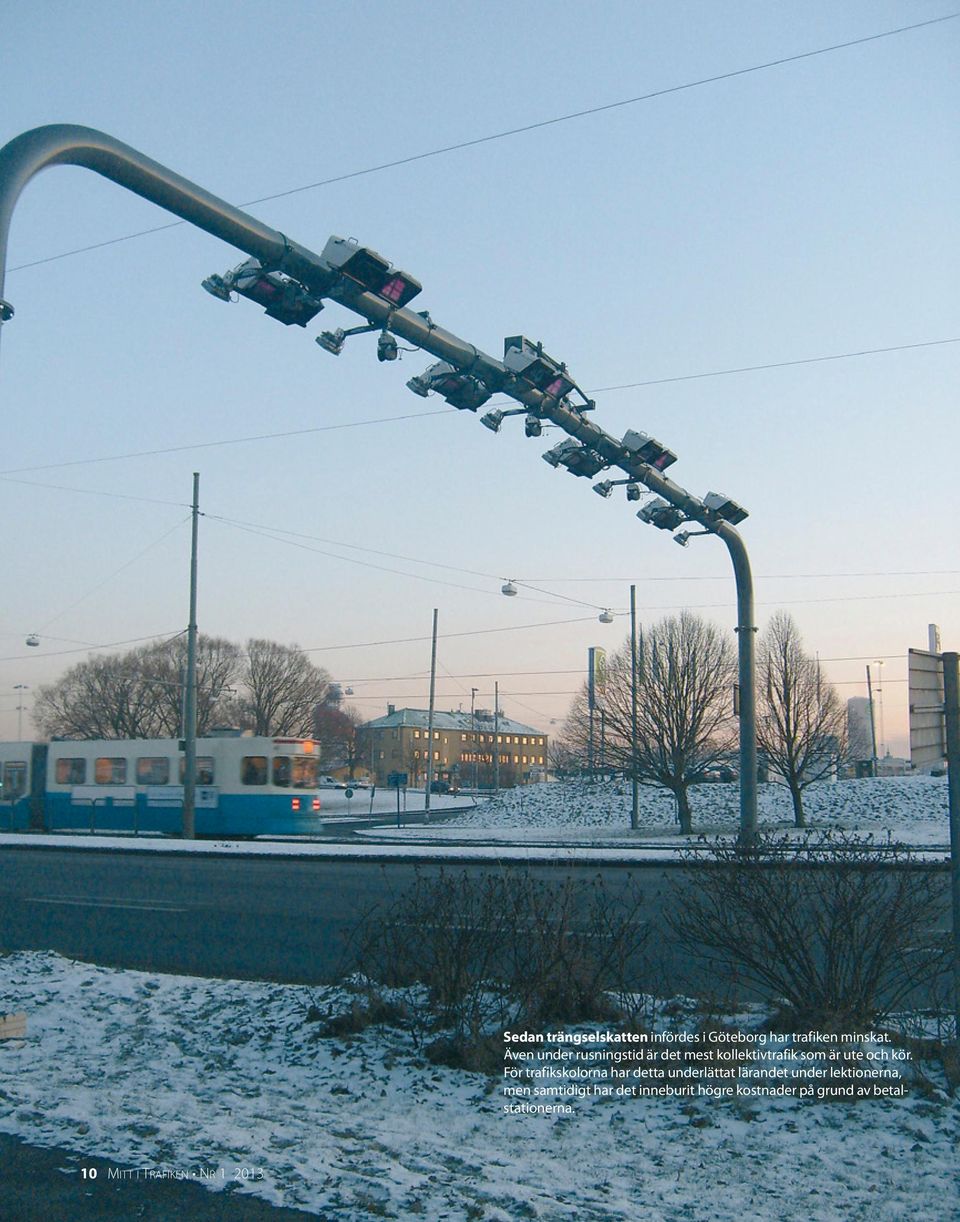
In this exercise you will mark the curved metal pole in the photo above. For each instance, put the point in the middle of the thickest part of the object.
(66, 144)
(746, 636)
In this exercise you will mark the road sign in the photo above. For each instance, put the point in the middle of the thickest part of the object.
(397, 780)
(928, 745)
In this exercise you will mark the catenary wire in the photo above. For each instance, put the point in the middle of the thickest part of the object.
(116, 572)
(448, 413)
(522, 130)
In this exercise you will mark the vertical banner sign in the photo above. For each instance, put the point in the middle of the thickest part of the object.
(596, 677)
(928, 745)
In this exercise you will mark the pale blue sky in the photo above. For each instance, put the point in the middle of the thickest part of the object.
(801, 211)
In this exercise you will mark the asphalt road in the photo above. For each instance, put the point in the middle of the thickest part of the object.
(279, 919)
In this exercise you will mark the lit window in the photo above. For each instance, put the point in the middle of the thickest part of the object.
(153, 770)
(110, 770)
(305, 773)
(71, 771)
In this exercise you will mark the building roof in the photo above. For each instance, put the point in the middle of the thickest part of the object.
(450, 721)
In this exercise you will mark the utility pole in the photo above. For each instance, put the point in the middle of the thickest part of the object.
(496, 737)
(873, 723)
(190, 701)
(433, 688)
(473, 736)
(951, 710)
(635, 786)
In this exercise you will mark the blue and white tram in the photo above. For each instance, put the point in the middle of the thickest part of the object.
(246, 786)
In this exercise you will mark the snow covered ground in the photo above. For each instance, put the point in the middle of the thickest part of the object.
(177, 1074)
(909, 809)
(181, 1075)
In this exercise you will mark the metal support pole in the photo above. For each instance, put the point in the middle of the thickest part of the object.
(873, 725)
(67, 144)
(746, 668)
(496, 738)
(635, 779)
(190, 701)
(951, 708)
(473, 736)
(433, 688)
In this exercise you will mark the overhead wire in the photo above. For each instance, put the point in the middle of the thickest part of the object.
(116, 573)
(449, 413)
(466, 144)
(59, 653)
(523, 129)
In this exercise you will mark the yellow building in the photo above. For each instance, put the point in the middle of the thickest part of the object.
(469, 750)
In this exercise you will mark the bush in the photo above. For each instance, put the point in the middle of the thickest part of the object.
(835, 932)
(502, 949)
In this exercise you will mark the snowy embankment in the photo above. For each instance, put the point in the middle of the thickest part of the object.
(912, 810)
(175, 1075)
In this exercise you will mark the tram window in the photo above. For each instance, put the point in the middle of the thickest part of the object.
(281, 770)
(305, 772)
(14, 780)
(109, 770)
(204, 769)
(253, 770)
(153, 770)
(71, 771)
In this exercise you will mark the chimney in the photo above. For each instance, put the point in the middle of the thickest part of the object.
(391, 709)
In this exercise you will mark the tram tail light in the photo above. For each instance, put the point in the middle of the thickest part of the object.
(315, 804)
(294, 803)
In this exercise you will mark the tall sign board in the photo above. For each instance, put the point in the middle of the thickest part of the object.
(928, 744)
(596, 677)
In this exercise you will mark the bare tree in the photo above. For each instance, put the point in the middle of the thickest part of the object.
(109, 697)
(801, 722)
(282, 689)
(139, 694)
(218, 673)
(685, 701)
(335, 727)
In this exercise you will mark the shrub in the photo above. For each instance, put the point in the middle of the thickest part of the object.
(836, 932)
(491, 950)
